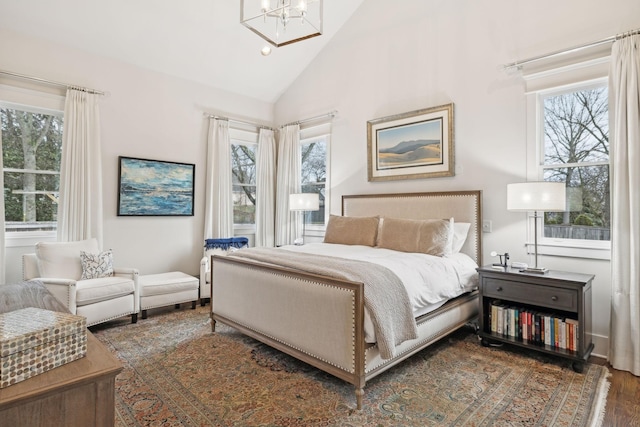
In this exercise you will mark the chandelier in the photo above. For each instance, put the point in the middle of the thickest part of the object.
(282, 22)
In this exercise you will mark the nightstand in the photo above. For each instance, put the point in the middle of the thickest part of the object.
(549, 313)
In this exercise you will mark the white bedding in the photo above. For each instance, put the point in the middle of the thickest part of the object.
(430, 281)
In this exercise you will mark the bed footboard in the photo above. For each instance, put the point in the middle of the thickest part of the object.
(322, 326)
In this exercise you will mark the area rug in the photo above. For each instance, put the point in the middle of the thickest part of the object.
(178, 373)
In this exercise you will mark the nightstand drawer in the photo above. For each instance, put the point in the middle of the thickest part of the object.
(549, 297)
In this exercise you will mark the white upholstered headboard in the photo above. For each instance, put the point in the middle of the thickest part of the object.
(463, 206)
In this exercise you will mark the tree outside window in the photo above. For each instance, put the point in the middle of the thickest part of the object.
(314, 175)
(31, 148)
(243, 167)
(576, 152)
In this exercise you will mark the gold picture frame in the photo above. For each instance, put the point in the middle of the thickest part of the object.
(413, 145)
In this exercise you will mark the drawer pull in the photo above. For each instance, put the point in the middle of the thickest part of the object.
(499, 289)
(554, 298)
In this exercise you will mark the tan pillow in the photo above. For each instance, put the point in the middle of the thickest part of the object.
(429, 236)
(351, 230)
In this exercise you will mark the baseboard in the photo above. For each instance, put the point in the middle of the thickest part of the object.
(600, 346)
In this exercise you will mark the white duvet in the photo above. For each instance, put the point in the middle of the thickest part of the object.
(430, 281)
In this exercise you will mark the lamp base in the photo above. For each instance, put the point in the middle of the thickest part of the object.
(535, 270)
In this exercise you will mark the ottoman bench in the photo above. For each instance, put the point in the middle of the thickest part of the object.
(159, 290)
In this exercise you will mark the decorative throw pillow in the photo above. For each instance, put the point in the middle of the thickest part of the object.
(429, 236)
(96, 265)
(352, 230)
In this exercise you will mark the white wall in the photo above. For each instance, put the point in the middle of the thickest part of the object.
(147, 115)
(417, 54)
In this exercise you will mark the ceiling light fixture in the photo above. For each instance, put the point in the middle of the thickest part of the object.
(282, 22)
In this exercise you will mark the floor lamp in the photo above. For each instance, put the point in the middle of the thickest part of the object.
(536, 197)
(301, 202)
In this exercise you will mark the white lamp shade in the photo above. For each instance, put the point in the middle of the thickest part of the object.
(537, 196)
(304, 202)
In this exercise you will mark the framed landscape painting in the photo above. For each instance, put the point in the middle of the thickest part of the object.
(413, 145)
(155, 187)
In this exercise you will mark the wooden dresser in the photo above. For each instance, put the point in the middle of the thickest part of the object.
(79, 393)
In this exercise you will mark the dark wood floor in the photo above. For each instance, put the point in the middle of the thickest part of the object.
(623, 401)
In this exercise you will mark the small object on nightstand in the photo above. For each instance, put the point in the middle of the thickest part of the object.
(501, 264)
(519, 265)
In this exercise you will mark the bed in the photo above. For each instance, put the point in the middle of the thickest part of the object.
(320, 318)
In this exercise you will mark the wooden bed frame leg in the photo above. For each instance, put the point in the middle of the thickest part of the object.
(359, 396)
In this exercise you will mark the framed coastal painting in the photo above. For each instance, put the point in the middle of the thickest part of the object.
(155, 188)
(413, 145)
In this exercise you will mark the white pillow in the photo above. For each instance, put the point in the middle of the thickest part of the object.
(61, 260)
(460, 232)
(95, 266)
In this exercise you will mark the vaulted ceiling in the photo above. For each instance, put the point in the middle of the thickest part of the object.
(198, 40)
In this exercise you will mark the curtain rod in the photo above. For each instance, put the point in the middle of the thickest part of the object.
(213, 116)
(51, 82)
(330, 114)
(519, 64)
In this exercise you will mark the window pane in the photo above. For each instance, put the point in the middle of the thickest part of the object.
(244, 204)
(314, 161)
(588, 206)
(315, 217)
(243, 166)
(576, 127)
(576, 134)
(31, 147)
(313, 175)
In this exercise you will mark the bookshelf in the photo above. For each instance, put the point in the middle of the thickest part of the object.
(549, 313)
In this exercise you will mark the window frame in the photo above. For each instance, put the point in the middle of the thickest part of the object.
(241, 136)
(307, 134)
(37, 102)
(576, 248)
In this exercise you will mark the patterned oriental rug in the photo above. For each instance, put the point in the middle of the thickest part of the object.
(178, 373)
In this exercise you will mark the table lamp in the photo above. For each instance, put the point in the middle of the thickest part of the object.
(301, 202)
(536, 197)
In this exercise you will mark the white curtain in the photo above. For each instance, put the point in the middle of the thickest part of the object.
(287, 182)
(80, 201)
(218, 222)
(624, 96)
(3, 265)
(265, 189)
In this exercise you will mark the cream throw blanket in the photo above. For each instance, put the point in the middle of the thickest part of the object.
(385, 296)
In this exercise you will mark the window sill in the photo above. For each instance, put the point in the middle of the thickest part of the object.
(572, 251)
(26, 239)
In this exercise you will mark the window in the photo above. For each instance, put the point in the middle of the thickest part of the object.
(313, 150)
(574, 144)
(31, 148)
(244, 146)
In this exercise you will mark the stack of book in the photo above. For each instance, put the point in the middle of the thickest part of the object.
(531, 326)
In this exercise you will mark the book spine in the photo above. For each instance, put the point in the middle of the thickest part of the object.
(538, 335)
(494, 317)
(573, 334)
